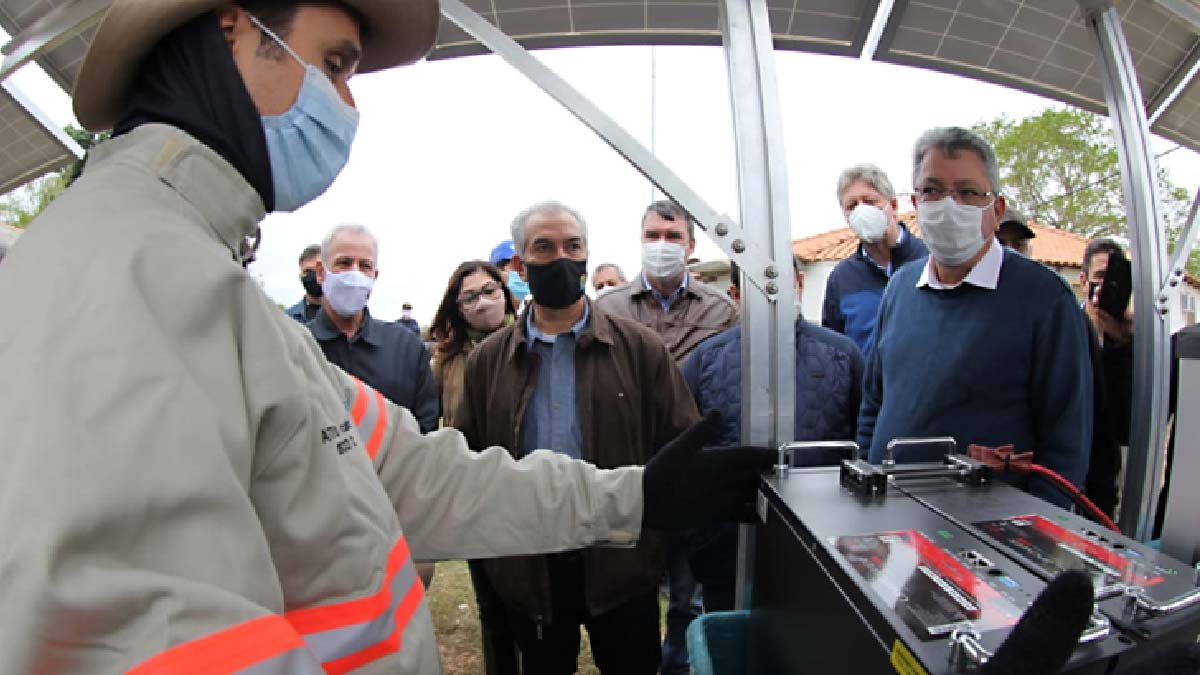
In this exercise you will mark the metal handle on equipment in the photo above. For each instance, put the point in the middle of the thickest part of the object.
(889, 457)
(787, 452)
(966, 651)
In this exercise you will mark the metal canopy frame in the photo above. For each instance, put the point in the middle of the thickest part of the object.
(1147, 434)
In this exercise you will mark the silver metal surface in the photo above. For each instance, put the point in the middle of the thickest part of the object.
(768, 319)
(1184, 10)
(1155, 608)
(750, 257)
(32, 145)
(1180, 80)
(1097, 629)
(787, 452)
(1180, 535)
(1144, 212)
(1185, 243)
(49, 31)
(966, 651)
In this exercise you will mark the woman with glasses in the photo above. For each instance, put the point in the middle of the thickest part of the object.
(476, 304)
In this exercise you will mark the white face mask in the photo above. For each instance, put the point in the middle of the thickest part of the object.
(952, 231)
(663, 259)
(347, 292)
(868, 222)
(487, 314)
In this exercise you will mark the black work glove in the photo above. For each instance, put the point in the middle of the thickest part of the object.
(686, 486)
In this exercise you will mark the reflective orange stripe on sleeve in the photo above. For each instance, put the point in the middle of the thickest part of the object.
(348, 635)
(380, 425)
(241, 647)
(359, 408)
(390, 644)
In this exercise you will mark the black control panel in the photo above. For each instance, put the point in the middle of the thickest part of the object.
(927, 572)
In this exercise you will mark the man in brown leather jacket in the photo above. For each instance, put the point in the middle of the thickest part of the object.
(592, 386)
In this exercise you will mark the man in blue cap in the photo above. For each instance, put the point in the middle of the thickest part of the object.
(502, 257)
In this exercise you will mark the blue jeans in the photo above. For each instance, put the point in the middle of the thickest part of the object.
(683, 605)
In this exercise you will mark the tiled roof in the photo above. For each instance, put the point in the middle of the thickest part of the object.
(1052, 246)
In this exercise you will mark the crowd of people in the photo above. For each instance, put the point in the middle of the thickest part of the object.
(956, 332)
(216, 487)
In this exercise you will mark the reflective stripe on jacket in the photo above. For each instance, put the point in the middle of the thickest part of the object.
(189, 486)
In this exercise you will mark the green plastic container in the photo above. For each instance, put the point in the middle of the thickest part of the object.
(717, 643)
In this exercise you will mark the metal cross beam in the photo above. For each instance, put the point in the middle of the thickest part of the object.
(1184, 245)
(723, 230)
(1183, 75)
(57, 26)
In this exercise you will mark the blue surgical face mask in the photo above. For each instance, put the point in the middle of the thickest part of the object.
(310, 143)
(518, 286)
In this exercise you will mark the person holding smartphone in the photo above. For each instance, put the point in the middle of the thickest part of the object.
(1106, 282)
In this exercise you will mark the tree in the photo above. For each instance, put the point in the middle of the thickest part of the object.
(22, 205)
(1060, 168)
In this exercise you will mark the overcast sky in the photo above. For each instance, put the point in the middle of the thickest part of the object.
(448, 152)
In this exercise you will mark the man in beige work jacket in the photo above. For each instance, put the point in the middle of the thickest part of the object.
(187, 484)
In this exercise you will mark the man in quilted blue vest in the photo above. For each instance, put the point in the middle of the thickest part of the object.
(829, 372)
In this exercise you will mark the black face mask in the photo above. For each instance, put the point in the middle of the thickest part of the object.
(557, 284)
(311, 287)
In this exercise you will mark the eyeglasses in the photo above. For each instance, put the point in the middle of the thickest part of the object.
(968, 196)
(470, 298)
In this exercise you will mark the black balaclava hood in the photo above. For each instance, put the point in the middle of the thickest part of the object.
(189, 81)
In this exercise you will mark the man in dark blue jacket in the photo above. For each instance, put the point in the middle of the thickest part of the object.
(829, 372)
(979, 343)
(855, 286)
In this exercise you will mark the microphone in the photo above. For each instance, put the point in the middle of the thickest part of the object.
(1044, 638)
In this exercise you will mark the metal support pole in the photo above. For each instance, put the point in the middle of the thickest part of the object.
(1184, 246)
(58, 25)
(722, 229)
(1143, 474)
(768, 332)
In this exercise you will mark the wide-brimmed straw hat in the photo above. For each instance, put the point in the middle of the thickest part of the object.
(399, 32)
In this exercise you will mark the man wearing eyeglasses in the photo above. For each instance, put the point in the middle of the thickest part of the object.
(978, 343)
(387, 356)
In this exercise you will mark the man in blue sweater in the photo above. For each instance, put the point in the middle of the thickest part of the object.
(829, 372)
(978, 343)
(855, 286)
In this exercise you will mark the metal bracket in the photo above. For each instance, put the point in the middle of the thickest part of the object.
(1183, 248)
(722, 229)
(51, 30)
(966, 651)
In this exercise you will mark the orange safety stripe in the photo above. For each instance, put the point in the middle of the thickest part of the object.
(360, 403)
(228, 650)
(390, 644)
(380, 425)
(361, 610)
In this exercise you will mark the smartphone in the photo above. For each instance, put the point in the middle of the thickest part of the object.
(1116, 288)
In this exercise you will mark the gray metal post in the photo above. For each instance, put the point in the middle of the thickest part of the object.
(768, 335)
(1143, 474)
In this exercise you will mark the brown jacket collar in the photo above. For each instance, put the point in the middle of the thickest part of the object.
(598, 327)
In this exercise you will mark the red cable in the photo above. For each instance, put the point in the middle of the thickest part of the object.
(1075, 494)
